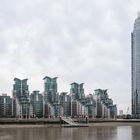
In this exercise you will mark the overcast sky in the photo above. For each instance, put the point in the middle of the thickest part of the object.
(76, 40)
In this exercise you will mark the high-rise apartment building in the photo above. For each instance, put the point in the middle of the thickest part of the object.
(51, 105)
(77, 91)
(21, 98)
(36, 100)
(50, 88)
(104, 105)
(135, 44)
(5, 106)
(91, 106)
(65, 102)
(78, 106)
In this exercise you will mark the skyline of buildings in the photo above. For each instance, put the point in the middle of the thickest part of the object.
(50, 103)
(75, 102)
(25, 104)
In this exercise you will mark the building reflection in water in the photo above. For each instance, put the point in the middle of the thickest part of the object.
(57, 133)
(136, 132)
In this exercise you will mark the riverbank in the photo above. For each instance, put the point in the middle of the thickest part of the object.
(34, 121)
(97, 124)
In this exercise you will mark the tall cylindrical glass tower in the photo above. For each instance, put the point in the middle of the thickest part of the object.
(135, 43)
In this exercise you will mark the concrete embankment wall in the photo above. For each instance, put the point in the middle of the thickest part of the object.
(57, 121)
(29, 121)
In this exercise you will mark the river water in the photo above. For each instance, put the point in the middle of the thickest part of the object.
(57, 133)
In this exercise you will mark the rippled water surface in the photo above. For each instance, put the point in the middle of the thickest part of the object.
(57, 133)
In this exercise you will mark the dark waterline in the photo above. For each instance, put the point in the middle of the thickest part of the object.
(56, 133)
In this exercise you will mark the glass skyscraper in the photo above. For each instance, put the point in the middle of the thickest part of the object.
(135, 44)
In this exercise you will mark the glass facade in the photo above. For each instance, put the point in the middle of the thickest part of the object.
(77, 90)
(21, 93)
(135, 42)
(37, 103)
(104, 104)
(5, 106)
(20, 88)
(65, 102)
(50, 88)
